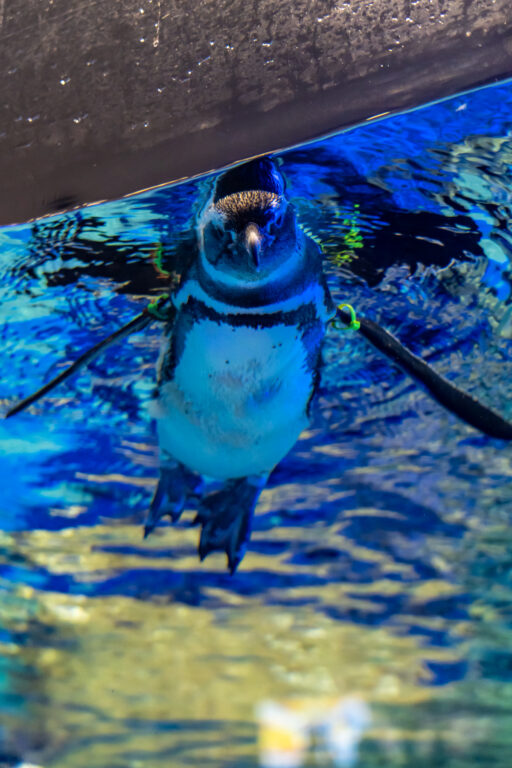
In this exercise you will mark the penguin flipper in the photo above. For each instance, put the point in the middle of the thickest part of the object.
(463, 405)
(136, 324)
(175, 484)
(226, 518)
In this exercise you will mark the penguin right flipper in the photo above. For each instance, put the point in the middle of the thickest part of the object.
(136, 324)
(226, 518)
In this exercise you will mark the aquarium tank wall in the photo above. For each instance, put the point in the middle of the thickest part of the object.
(102, 101)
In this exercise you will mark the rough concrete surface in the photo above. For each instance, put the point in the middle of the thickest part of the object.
(100, 99)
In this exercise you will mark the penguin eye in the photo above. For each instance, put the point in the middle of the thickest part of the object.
(216, 233)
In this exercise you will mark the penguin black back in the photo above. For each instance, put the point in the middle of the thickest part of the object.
(260, 174)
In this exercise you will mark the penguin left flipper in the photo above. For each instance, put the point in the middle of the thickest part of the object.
(226, 518)
(463, 405)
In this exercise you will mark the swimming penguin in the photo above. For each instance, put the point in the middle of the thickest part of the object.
(239, 365)
(239, 362)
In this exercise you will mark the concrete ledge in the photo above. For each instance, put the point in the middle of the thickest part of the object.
(99, 100)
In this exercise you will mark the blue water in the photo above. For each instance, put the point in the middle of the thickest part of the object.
(379, 567)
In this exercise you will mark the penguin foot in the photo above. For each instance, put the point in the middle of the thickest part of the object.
(175, 484)
(226, 518)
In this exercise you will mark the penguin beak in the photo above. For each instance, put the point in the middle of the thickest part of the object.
(253, 240)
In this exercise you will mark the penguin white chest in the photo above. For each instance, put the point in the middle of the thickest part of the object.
(237, 400)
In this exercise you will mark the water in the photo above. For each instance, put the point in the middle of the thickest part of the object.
(372, 610)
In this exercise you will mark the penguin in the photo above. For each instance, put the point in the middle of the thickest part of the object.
(240, 358)
(238, 368)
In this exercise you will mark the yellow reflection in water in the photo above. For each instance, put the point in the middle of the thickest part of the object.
(115, 680)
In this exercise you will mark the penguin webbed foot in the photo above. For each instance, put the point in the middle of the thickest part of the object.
(174, 486)
(226, 517)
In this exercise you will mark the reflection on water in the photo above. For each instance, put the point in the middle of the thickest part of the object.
(330, 727)
(378, 569)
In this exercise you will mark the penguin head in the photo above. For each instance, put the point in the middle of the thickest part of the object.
(247, 229)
